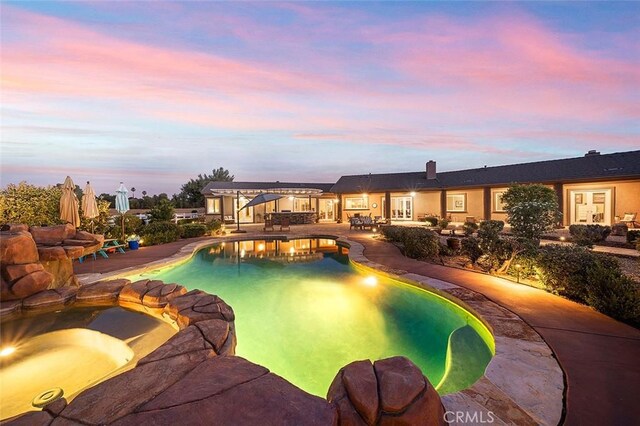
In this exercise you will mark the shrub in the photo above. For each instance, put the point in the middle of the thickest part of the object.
(612, 293)
(160, 233)
(563, 269)
(454, 244)
(192, 230)
(30, 204)
(531, 210)
(633, 235)
(214, 227)
(162, 212)
(431, 220)
(587, 235)
(392, 233)
(420, 243)
(469, 228)
(471, 248)
(100, 223)
(489, 235)
(443, 223)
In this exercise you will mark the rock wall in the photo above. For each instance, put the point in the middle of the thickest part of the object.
(40, 258)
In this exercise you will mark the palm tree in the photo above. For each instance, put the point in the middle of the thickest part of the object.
(144, 193)
(133, 191)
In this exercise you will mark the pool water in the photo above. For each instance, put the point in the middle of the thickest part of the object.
(304, 311)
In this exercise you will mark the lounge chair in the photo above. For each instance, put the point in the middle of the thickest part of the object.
(285, 223)
(629, 219)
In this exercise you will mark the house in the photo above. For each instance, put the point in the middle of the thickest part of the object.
(595, 188)
(223, 199)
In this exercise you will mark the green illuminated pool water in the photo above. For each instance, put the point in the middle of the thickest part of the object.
(304, 311)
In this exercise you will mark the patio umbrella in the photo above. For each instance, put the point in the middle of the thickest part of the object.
(89, 204)
(258, 199)
(122, 203)
(69, 203)
(261, 199)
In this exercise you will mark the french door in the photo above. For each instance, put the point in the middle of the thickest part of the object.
(590, 206)
(401, 208)
(326, 209)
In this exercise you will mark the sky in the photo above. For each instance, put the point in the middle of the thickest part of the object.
(154, 93)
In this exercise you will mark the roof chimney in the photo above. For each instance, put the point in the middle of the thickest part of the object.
(591, 153)
(431, 169)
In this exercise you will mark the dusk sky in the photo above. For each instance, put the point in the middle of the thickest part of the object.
(154, 93)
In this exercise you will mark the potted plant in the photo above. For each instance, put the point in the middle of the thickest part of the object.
(134, 242)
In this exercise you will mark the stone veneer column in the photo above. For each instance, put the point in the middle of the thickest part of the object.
(486, 198)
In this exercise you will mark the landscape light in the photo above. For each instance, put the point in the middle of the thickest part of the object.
(370, 281)
(7, 350)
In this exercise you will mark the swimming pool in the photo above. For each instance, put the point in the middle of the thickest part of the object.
(304, 311)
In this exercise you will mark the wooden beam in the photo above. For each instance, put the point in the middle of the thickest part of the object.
(558, 187)
(486, 198)
(443, 203)
(387, 206)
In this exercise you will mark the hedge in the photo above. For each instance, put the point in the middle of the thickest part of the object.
(160, 232)
(588, 235)
(192, 230)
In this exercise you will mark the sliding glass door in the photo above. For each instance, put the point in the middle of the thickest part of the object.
(590, 206)
(401, 208)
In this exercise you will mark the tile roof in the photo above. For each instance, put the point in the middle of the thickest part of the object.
(595, 166)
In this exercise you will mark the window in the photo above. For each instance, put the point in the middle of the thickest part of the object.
(456, 202)
(498, 205)
(213, 205)
(359, 203)
(301, 205)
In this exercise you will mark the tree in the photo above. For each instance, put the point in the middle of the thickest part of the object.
(190, 192)
(133, 192)
(531, 210)
(110, 198)
(144, 193)
(163, 211)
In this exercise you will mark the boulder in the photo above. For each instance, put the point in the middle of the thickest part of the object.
(13, 272)
(15, 227)
(17, 248)
(51, 253)
(159, 296)
(73, 252)
(10, 308)
(187, 340)
(31, 284)
(392, 391)
(42, 234)
(5, 290)
(62, 271)
(30, 418)
(100, 293)
(215, 332)
(50, 299)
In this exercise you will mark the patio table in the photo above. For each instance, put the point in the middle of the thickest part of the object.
(109, 245)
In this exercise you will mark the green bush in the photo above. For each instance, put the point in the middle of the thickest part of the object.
(471, 248)
(588, 235)
(613, 294)
(563, 269)
(214, 227)
(132, 225)
(162, 212)
(420, 243)
(392, 232)
(443, 223)
(30, 204)
(432, 220)
(192, 230)
(160, 233)
(489, 235)
(469, 228)
(633, 235)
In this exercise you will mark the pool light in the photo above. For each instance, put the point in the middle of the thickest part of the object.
(7, 350)
(370, 281)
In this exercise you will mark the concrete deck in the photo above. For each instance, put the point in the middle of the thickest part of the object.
(598, 354)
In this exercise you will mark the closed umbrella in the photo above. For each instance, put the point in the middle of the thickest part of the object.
(69, 204)
(122, 203)
(89, 204)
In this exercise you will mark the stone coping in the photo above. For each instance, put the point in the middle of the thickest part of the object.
(523, 383)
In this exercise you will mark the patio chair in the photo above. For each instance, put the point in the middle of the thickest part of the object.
(355, 222)
(268, 223)
(285, 223)
(366, 223)
(629, 219)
